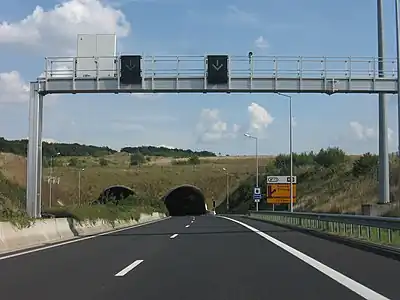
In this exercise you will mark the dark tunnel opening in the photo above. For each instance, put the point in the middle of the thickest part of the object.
(115, 192)
(185, 200)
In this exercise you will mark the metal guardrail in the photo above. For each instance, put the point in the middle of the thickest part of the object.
(239, 66)
(378, 230)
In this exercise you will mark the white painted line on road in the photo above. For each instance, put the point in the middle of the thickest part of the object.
(79, 239)
(129, 268)
(347, 282)
(191, 221)
(187, 226)
(173, 236)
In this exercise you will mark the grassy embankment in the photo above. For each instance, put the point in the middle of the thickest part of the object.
(150, 181)
(329, 181)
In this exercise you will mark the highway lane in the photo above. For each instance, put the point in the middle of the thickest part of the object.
(77, 270)
(375, 271)
(197, 258)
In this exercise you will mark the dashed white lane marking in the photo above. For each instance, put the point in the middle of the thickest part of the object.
(347, 282)
(187, 226)
(173, 236)
(191, 221)
(129, 268)
(75, 240)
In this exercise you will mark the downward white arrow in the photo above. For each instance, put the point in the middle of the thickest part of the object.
(217, 66)
(130, 66)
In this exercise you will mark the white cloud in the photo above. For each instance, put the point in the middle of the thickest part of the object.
(211, 128)
(50, 141)
(166, 146)
(13, 89)
(261, 43)
(236, 15)
(60, 25)
(260, 118)
(363, 132)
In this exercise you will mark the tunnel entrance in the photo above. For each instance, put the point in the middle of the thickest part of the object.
(185, 200)
(115, 193)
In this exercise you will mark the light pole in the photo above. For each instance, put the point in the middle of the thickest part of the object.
(79, 186)
(384, 191)
(397, 10)
(51, 179)
(227, 188)
(290, 147)
(257, 164)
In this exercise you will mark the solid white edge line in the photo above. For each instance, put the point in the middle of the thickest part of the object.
(79, 239)
(129, 268)
(347, 282)
(173, 236)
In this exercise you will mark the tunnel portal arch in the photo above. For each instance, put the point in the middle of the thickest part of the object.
(115, 192)
(185, 200)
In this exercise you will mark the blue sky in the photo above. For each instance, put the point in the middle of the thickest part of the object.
(32, 30)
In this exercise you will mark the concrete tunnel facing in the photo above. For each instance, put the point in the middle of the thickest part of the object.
(180, 201)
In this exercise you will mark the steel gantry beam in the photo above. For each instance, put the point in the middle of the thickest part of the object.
(196, 74)
(218, 73)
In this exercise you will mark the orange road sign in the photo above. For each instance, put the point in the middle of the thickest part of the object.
(279, 193)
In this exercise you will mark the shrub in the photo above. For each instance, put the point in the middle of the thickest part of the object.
(137, 159)
(330, 157)
(45, 162)
(179, 162)
(282, 161)
(73, 162)
(194, 160)
(367, 164)
(103, 162)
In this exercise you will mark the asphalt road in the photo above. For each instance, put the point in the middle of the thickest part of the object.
(200, 258)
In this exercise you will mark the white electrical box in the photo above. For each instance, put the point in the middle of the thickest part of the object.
(96, 52)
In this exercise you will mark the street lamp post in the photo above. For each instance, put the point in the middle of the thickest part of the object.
(51, 179)
(290, 147)
(227, 188)
(257, 164)
(79, 186)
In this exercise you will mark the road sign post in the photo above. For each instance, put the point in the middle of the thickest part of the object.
(278, 189)
(257, 196)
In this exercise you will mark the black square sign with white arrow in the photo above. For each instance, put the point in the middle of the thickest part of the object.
(131, 72)
(217, 69)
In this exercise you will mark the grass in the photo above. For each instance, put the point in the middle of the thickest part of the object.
(336, 190)
(150, 181)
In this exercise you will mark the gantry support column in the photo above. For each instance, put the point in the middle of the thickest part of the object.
(34, 160)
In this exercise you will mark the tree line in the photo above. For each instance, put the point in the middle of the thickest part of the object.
(166, 152)
(20, 147)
